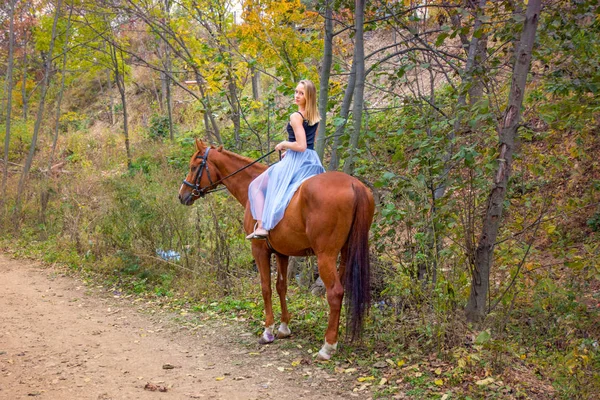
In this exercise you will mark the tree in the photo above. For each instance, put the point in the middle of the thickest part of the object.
(359, 88)
(475, 309)
(40, 112)
(9, 88)
(324, 78)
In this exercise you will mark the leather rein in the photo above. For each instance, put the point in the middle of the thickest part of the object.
(203, 191)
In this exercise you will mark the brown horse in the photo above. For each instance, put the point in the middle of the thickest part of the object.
(329, 215)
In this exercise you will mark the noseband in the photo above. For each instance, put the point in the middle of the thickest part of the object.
(198, 191)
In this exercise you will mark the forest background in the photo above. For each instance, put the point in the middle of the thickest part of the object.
(475, 123)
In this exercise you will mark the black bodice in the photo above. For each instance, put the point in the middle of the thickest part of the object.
(310, 130)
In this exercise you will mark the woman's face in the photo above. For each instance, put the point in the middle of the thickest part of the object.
(299, 98)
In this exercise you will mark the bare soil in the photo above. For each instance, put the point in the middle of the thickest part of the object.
(62, 339)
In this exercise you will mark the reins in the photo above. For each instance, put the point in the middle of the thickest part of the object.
(201, 192)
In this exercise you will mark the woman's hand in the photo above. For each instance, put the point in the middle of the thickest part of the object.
(282, 146)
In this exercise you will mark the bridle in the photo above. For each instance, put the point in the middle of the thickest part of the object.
(198, 191)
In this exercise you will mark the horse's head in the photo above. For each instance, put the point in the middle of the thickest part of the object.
(201, 175)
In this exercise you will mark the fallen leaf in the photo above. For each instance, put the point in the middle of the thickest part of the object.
(401, 363)
(383, 381)
(486, 381)
(280, 369)
(365, 378)
(219, 378)
(349, 370)
(438, 371)
(439, 382)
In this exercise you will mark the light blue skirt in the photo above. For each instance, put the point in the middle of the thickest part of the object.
(271, 192)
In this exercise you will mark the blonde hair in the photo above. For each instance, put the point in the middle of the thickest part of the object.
(310, 93)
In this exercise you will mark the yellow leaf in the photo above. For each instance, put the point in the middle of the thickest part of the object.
(401, 363)
(366, 378)
(438, 371)
(295, 363)
(220, 378)
(439, 382)
(485, 381)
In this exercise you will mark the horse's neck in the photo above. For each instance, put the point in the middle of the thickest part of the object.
(237, 184)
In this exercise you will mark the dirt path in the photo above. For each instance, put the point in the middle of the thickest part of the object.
(60, 339)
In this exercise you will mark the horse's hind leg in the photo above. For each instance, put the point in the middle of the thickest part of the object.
(282, 269)
(335, 294)
(262, 256)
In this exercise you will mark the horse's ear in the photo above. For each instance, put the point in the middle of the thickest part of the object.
(199, 145)
(220, 148)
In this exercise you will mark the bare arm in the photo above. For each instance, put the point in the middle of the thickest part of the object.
(300, 143)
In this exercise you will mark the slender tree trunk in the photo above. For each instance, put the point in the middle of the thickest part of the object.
(475, 55)
(39, 117)
(255, 84)
(359, 89)
(111, 100)
(9, 88)
(62, 90)
(24, 83)
(167, 79)
(119, 71)
(324, 79)
(209, 117)
(235, 110)
(475, 309)
(344, 111)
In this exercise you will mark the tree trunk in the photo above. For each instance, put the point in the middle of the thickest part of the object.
(9, 88)
(39, 117)
(24, 83)
(255, 84)
(111, 100)
(120, 81)
(324, 79)
(344, 111)
(475, 55)
(475, 309)
(62, 90)
(359, 89)
(235, 110)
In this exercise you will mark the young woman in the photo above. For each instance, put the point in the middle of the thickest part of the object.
(271, 191)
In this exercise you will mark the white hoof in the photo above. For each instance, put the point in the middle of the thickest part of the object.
(326, 351)
(283, 331)
(267, 336)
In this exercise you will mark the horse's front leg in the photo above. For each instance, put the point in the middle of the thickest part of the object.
(262, 256)
(335, 294)
(282, 270)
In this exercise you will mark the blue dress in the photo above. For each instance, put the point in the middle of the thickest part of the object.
(271, 192)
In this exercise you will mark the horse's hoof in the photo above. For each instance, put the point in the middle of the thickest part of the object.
(283, 331)
(266, 338)
(283, 335)
(326, 352)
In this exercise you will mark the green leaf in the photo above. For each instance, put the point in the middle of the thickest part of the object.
(483, 337)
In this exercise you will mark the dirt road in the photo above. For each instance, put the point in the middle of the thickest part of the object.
(61, 339)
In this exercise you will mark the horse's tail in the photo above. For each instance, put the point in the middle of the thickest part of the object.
(358, 277)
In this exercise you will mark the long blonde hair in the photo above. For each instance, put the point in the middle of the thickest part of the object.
(310, 93)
